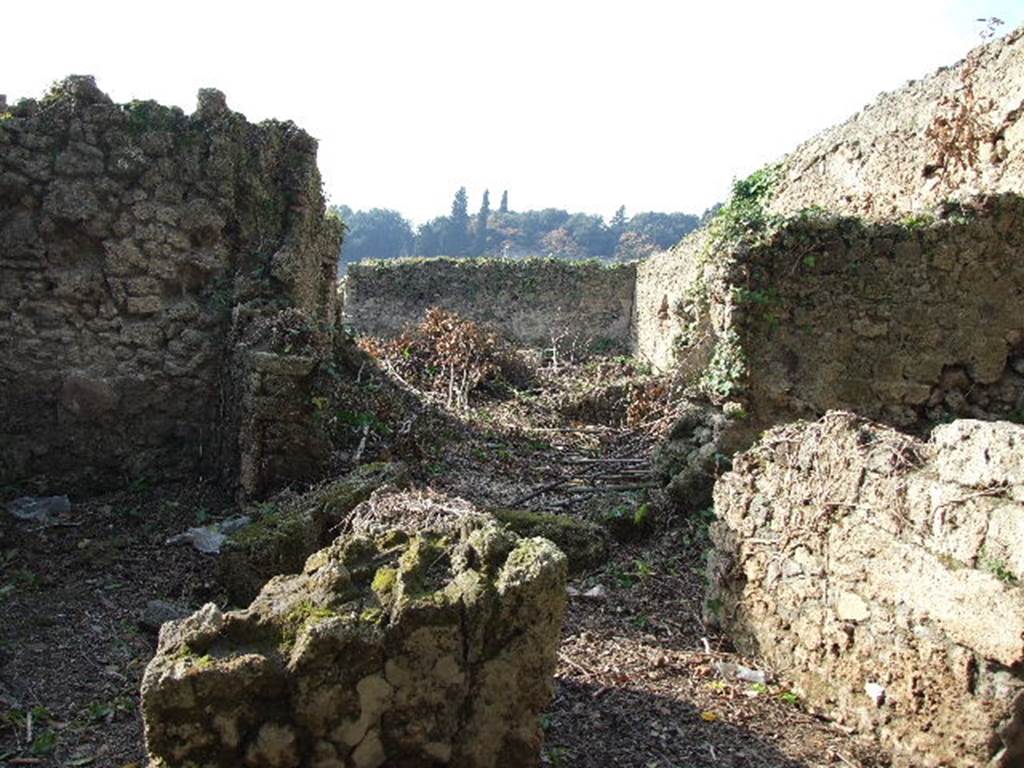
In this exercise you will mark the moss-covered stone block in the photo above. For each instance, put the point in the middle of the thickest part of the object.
(412, 646)
(585, 544)
(338, 498)
(289, 531)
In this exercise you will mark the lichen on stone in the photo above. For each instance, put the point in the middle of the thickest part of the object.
(387, 648)
(291, 528)
(585, 544)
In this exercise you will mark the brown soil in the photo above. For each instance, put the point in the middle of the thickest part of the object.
(71, 650)
(637, 683)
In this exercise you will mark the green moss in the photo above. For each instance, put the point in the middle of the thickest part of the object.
(526, 552)
(278, 542)
(358, 553)
(384, 582)
(584, 543)
(301, 615)
(415, 557)
(423, 570)
(273, 523)
(185, 654)
(372, 616)
(306, 611)
(285, 534)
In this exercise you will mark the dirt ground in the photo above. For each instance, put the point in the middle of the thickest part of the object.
(638, 680)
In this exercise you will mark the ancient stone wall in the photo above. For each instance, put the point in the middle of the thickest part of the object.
(910, 325)
(142, 251)
(536, 302)
(660, 280)
(880, 575)
(884, 162)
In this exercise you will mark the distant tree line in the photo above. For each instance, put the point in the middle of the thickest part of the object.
(382, 233)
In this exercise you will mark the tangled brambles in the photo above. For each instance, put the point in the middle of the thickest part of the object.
(448, 355)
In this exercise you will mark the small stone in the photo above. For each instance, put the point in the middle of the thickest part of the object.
(207, 539)
(370, 752)
(876, 692)
(158, 612)
(850, 607)
(39, 509)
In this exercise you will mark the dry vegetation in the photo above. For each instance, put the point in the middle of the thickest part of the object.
(962, 126)
(448, 356)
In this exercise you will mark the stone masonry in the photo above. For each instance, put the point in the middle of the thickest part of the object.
(880, 575)
(141, 250)
(908, 325)
(535, 302)
(880, 166)
(882, 163)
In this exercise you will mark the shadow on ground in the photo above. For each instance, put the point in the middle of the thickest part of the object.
(594, 726)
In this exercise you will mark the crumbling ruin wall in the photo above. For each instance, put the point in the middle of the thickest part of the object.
(536, 302)
(884, 162)
(661, 280)
(882, 165)
(143, 252)
(910, 325)
(863, 272)
(880, 575)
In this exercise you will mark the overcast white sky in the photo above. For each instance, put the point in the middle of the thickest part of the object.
(579, 105)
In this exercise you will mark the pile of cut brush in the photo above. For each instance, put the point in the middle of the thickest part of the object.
(448, 358)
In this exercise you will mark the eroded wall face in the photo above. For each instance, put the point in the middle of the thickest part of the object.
(869, 569)
(888, 163)
(665, 287)
(538, 303)
(136, 243)
(910, 326)
(660, 282)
